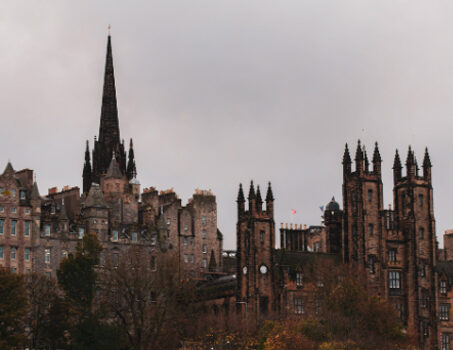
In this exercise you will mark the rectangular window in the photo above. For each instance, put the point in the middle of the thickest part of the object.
(1, 252)
(191, 240)
(317, 247)
(46, 230)
(186, 241)
(153, 239)
(421, 233)
(27, 228)
(47, 256)
(192, 259)
(445, 341)
(115, 259)
(13, 253)
(443, 312)
(2, 224)
(115, 235)
(27, 211)
(13, 193)
(13, 270)
(134, 236)
(262, 237)
(391, 255)
(399, 311)
(168, 221)
(370, 196)
(424, 299)
(420, 201)
(394, 280)
(203, 234)
(443, 287)
(205, 249)
(370, 229)
(13, 210)
(186, 258)
(203, 220)
(64, 254)
(81, 232)
(27, 254)
(298, 306)
(204, 263)
(186, 227)
(299, 279)
(22, 195)
(13, 227)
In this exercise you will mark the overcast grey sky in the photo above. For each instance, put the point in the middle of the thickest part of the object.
(215, 93)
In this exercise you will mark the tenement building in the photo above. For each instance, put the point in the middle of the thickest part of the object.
(38, 231)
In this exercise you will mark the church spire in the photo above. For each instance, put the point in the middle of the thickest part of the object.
(131, 168)
(109, 129)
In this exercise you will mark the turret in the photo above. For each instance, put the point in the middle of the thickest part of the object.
(397, 168)
(346, 161)
(427, 166)
(377, 161)
(241, 201)
(270, 201)
(252, 198)
(131, 168)
(410, 164)
(359, 161)
(259, 200)
(365, 156)
(87, 170)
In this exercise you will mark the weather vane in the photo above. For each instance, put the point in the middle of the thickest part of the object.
(109, 28)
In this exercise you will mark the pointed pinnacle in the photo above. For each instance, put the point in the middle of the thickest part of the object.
(258, 194)
(426, 160)
(397, 161)
(251, 191)
(376, 154)
(346, 156)
(269, 195)
(410, 160)
(358, 153)
(240, 194)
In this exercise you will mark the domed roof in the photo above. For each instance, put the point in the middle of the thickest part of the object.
(333, 205)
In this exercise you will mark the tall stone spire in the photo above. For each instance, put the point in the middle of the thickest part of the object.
(109, 131)
(346, 161)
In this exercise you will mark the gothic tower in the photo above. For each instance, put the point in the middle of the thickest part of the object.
(109, 140)
(362, 206)
(255, 246)
(414, 219)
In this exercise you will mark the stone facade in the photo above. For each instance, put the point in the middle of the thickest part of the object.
(38, 232)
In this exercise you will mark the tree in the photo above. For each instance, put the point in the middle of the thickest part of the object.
(13, 309)
(48, 314)
(77, 276)
(146, 299)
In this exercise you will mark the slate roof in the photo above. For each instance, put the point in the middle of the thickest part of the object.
(113, 170)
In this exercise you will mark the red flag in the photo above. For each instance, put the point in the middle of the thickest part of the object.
(293, 211)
